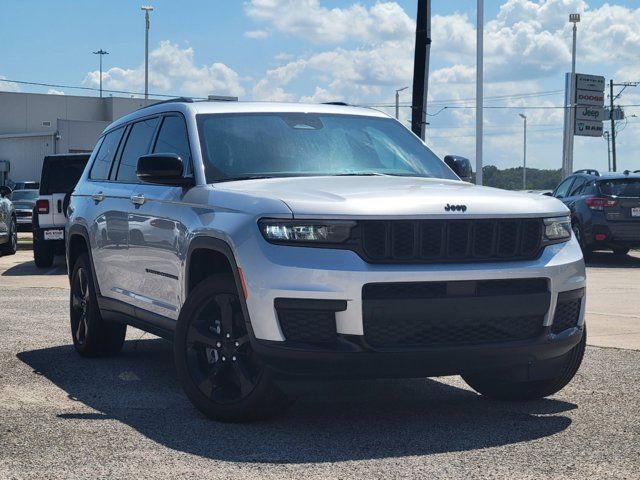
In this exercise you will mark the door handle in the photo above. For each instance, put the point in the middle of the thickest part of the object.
(98, 197)
(137, 199)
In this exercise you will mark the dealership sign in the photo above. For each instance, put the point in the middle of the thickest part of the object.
(594, 114)
(588, 129)
(589, 105)
(589, 82)
(589, 97)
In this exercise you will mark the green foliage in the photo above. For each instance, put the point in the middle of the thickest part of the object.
(511, 178)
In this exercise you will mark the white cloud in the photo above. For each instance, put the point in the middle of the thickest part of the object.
(172, 69)
(53, 91)
(309, 20)
(8, 86)
(257, 34)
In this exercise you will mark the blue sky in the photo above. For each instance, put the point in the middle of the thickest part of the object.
(318, 50)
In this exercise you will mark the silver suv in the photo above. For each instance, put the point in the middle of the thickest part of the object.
(284, 241)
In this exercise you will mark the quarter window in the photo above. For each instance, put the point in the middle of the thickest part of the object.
(138, 144)
(173, 138)
(106, 153)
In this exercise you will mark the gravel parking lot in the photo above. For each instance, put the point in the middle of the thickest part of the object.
(62, 416)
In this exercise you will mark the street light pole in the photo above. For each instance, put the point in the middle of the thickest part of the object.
(567, 166)
(524, 162)
(146, 9)
(479, 88)
(398, 101)
(101, 52)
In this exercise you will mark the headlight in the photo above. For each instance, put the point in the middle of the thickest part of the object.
(298, 231)
(557, 229)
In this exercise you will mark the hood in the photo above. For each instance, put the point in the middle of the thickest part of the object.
(384, 196)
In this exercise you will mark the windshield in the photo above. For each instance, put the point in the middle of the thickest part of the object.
(625, 187)
(238, 146)
(24, 195)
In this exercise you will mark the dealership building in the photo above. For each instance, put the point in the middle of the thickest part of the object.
(34, 125)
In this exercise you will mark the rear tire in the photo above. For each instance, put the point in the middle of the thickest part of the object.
(577, 231)
(620, 251)
(11, 246)
(533, 390)
(43, 253)
(216, 365)
(92, 336)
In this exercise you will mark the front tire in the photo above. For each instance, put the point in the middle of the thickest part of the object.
(11, 246)
(219, 371)
(92, 336)
(500, 389)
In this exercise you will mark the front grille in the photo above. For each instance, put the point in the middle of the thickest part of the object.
(567, 310)
(434, 332)
(415, 314)
(433, 241)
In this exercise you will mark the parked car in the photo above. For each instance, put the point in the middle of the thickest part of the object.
(295, 241)
(605, 209)
(8, 224)
(60, 173)
(25, 185)
(24, 202)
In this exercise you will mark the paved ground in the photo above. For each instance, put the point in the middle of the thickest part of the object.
(66, 417)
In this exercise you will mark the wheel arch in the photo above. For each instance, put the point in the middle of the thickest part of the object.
(78, 243)
(207, 256)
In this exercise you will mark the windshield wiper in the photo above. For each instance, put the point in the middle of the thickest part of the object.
(360, 174)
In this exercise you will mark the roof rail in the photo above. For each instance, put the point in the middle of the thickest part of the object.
(589, 171)
(343, 104)
(170, 100)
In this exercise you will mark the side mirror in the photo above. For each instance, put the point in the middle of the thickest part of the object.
(461, 166)
(5, 191)
(162, 169)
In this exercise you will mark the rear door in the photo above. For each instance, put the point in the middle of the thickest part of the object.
(123, 284)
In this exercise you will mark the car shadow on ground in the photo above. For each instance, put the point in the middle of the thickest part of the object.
(609, 260)
(336, 421)
(59, 267)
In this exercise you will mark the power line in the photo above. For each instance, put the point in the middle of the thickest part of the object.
(92, 89)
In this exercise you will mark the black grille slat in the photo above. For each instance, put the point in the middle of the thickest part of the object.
(311, 326)
(434, 241)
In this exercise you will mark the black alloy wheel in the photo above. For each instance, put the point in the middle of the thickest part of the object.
(215, 362)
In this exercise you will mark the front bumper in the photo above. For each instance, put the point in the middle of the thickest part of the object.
(535, 359)
(282, 272)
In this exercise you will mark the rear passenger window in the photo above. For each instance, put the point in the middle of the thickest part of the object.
(577, 188)
(173, 138)
(106, 153)
(138, 143)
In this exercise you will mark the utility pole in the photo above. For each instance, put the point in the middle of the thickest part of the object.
(146, 9)
(613, 125)
(607, 137)
(479, 88)
(613, 117)
(101, 52)
(421, 69)
(398, 101)
(524, 161)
